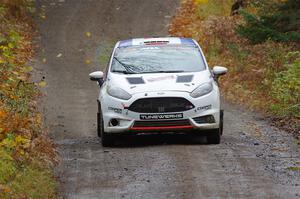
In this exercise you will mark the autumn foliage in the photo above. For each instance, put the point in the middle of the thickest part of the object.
(25, 150)
(265, 77)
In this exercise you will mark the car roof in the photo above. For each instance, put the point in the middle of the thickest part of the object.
(157, 41)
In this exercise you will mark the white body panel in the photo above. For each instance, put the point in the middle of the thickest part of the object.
(158, 85)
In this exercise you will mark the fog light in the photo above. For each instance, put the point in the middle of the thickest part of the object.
(204, 119)
(114, 122)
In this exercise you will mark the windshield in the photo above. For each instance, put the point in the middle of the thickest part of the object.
(157, 59)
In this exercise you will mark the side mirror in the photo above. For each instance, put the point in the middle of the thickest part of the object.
(219, 70)
(96, 76)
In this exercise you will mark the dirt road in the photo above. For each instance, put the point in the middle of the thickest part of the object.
(254, 159)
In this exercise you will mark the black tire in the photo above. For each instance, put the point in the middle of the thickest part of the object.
(106, 139)
(214, 137)
(221, 121)
(99, 120)
(99, 124)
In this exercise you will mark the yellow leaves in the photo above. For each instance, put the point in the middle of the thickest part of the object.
(42, 83)
(13, 97)
(2, 61)
(44, 60)
(17, 144)
(198, 2)
(20, 125)
(88, 34)
(28, 68)
(8, 143)
(21, 141)
(4, 189)
(43, 12)
(20, 75)
(38, 119)
(87, 61)
(3, 114)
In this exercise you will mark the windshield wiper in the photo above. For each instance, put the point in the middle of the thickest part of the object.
(172, 71)
(163, 71)
(127, 67)
(123, 71)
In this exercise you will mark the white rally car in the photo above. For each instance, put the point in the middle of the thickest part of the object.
(156, 85)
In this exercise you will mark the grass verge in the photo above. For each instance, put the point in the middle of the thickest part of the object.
(265, 77)
(27, 155)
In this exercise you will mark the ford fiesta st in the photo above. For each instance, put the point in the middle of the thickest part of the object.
(158, 85)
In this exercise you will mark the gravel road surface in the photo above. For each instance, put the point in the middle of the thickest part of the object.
(254, 160)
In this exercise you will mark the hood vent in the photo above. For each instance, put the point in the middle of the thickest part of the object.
(184, 78)
(135, 80)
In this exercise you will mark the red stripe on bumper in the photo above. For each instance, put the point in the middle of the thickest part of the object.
(161, 127)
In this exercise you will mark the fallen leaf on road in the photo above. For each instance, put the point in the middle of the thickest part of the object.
(293, 168)
(28, 68)
(44, 60)
(88, 34)
(42, 83)
(87, 61)
(59, 55)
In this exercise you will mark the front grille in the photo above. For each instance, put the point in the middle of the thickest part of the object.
(161, 105)
(165, 123)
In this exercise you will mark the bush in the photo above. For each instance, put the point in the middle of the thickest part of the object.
(261, 76)
(286, 89)
(16, 8)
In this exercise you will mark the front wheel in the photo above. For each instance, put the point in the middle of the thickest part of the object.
(99, 124)
(221, 121)
(214, 137)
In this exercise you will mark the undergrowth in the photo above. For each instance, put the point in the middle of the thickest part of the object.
(26, 153)
(265, 77)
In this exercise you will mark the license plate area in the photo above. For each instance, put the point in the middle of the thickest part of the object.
(169, 116)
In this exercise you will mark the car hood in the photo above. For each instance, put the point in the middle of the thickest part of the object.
(140, 83)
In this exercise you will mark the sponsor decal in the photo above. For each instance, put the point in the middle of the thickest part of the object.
(116, 110)
(161, 116)
(204, 108)
(155, 79)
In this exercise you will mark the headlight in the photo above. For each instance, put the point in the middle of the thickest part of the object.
(118, 93)
(201, 90)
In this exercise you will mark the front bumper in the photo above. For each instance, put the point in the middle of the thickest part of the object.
(115, 111)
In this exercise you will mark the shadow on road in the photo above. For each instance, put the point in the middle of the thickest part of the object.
(156, 139)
